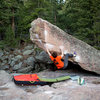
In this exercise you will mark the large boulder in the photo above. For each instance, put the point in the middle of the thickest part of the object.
(43, 57)
(46, 35)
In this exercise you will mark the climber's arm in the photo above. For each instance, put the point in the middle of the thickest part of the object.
(48, 52)
(62, 53)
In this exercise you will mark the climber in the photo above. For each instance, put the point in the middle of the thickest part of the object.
(58, 60)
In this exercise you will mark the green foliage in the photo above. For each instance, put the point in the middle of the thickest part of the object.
(9, 34)
(8, 10)
(80, 18)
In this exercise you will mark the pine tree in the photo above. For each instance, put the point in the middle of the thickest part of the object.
(9, 9)
(95, 31)
(81, 19)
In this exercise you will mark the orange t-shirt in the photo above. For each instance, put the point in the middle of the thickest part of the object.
(57, 61)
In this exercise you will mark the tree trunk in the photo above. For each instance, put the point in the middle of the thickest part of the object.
(13, 22)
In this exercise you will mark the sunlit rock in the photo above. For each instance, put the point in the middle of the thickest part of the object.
(46, 35)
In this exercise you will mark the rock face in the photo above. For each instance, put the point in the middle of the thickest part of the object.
(46, 35)
(66, 90)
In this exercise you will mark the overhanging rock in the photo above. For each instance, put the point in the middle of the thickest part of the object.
(44, 34)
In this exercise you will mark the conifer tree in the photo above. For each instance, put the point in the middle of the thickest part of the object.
(82, 19)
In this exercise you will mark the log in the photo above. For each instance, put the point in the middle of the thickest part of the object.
(47, 35)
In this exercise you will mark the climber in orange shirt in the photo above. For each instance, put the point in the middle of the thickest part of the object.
(57, 60)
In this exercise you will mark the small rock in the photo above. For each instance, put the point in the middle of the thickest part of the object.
(18, 51)
(18, 57)
(37, 68)
(3, 58)
(12, 63)
(1, 53)
(25, 70)
(42, 66)
(6, 57)
(13, 59)
(30, 61)
(2, 64)
(9, 61)
(4, 61)
(11, 56)
(18, 66)
(25, 61)
(4, 67)
(27, 52)
(43, 57)
(28, 47)
(7, 53)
